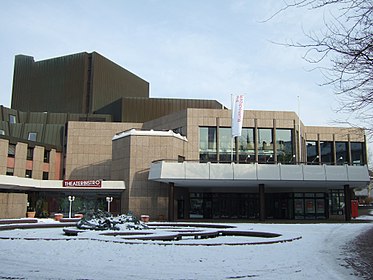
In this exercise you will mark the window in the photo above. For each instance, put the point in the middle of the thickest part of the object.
(284, 146)
(47, 154)
(30, 153)
(246, 145)
(357, 153)
(45, 175)
(225, 145)
(12, 119)
(10, 171)
(28, 173)
(310, 206)
(312, 154)
(326, 148)
(337, 202)
(341, 149)
(32, 136)
(196, 206)
(207, 144)
(265, 145)
(11, 150)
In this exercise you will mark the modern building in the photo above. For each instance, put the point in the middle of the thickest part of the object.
(77, 83)
(172, 159)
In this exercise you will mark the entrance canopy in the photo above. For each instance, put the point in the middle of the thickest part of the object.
(196, 174)
(25, 184)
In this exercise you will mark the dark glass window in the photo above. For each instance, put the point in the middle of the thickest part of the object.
(196, 206)
(223, 206)
(10, 171)
(28, 173)
(225, 145)
(265, 145)
(32, 136)
(11, 150)
(284, 146)
(30, 153)
(357, 153)
(246, 145)
(337, 202)
(326, 148)
(45, 175)
(312, 154)
(341, 149)
(12, 119)
(47, 155)
(310, 206)
(207, 144)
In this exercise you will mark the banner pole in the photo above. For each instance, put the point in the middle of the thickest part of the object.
(232, 114)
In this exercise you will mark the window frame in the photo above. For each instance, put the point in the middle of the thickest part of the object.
(12, 119)
(32, 136)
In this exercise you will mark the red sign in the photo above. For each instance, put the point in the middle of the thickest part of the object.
(82, 183)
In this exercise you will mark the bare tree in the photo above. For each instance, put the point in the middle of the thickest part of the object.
(346, 41)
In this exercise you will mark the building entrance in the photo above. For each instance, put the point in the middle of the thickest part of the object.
(279, 206)
(224, 206)
(246, 206)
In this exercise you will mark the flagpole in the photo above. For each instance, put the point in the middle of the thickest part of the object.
(232, 137)
(299, 133)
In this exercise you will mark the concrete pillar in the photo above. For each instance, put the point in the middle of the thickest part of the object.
(171, 203)
(262, 206)
(347, 194)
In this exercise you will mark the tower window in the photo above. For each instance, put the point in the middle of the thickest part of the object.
(32, 136)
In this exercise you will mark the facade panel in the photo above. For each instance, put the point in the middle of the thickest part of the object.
(52, 85)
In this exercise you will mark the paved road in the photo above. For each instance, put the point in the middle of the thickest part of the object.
(363, 246)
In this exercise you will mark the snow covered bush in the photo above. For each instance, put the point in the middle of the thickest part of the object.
(102, 220)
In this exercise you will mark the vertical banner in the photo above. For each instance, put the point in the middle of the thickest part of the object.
(237, 115)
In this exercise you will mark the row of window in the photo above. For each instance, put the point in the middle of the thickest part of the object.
(30, 153)
(214, 142)
(12, 119)
(329, 152)
(28, 173)
(308, 205)
(32, 136)
(216, 145)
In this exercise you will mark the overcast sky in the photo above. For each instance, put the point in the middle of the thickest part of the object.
(185, 49)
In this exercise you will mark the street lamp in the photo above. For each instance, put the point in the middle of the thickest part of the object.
(71, 199)
(109, 199)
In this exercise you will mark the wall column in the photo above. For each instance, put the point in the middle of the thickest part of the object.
(347, 194)
(171, 202)
(262, 206)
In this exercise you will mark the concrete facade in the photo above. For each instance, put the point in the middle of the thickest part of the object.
(89, 149)
(19, 163)
(13, 205)
(133, 153)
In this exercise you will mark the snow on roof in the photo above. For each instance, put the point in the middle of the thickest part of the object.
(134, 132)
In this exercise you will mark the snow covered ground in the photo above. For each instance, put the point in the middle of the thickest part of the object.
(319, 254)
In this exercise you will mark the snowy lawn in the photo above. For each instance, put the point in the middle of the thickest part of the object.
(319, 254)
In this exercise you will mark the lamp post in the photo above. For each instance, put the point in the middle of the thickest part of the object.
(109, 199)
(71, 199)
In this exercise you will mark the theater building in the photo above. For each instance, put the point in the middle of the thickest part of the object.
(172, 159)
